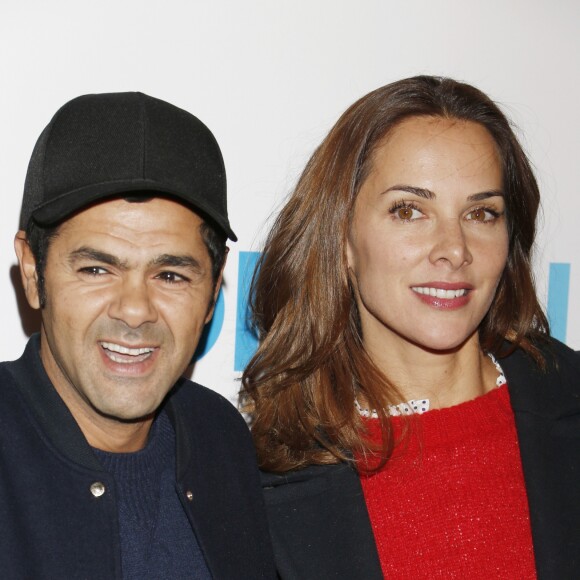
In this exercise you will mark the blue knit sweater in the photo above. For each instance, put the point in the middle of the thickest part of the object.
(156, 538)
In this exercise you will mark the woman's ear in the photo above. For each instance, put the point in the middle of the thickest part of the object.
(350, 259)
(28, 273)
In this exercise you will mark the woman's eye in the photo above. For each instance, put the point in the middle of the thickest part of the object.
(482, 215)
(407, 213)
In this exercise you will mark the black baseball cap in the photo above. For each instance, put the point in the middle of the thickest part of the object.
(105, 145)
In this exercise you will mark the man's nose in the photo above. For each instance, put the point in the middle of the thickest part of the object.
(133, 304)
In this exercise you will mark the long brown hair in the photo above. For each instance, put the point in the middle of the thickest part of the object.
(303, 379)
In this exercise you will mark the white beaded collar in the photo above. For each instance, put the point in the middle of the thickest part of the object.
(419, 406)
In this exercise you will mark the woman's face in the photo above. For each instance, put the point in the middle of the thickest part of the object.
(428, 241)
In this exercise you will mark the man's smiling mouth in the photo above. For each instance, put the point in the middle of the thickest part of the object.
(126, 355)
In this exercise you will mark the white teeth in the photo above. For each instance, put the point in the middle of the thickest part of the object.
(125, 350)
(439, 292)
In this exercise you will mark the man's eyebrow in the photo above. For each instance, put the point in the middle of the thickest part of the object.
(174, 261)
(428, 194)
(87, 253)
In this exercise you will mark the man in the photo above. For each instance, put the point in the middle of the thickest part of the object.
(112, 466)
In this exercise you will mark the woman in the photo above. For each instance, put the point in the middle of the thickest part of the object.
(394, 299)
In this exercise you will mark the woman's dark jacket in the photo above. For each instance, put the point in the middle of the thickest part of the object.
(318, 517)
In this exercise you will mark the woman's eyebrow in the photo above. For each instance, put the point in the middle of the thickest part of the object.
(419, 191)
(485, 195)
(428, 194)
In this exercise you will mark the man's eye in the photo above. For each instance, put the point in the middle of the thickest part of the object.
(93, 270)
(171, 277)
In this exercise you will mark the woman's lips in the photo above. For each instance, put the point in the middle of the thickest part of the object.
(443, 295)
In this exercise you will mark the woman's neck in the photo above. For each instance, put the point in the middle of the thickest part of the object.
(445, 378)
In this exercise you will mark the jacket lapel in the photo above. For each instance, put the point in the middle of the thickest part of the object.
(319, 524)
(547, 413)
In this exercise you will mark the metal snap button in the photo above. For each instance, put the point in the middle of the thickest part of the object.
(97, 488)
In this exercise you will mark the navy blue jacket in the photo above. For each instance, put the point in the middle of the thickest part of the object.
(53, 527)
(320, 525)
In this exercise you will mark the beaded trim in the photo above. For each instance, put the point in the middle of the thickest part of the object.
(501, 380)
(420, 406)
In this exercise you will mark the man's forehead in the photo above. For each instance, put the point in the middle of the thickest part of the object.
(154, 223)
(157, 203)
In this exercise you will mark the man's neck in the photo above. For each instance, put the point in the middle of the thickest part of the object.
(120, 437)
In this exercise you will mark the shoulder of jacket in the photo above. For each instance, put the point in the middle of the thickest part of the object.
(204, 406)
(553, 391)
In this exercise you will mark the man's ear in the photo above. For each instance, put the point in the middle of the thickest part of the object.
(28, 272)
(216, 290)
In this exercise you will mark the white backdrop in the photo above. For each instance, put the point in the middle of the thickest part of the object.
(270, 78)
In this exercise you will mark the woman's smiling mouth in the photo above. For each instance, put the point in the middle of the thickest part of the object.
(444, 295)
(440, 292)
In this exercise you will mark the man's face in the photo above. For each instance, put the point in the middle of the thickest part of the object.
(129, 289)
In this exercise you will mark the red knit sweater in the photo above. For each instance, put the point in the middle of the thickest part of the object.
(452, 504)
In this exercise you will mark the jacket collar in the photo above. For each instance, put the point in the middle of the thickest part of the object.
(51, 413)
(49, 410)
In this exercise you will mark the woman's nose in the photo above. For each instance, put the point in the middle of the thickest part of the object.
(450, 245)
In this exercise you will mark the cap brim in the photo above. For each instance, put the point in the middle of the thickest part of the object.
(64, 205)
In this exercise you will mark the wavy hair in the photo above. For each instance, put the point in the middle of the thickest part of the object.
(302, 382)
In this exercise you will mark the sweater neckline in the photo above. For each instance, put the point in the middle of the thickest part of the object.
(420, 406)
(489, 412)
